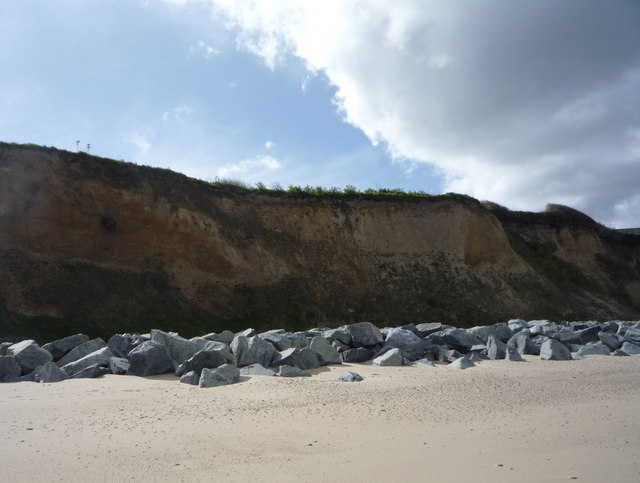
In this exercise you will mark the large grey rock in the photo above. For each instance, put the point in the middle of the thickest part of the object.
(392, 357)
(192, 378)
(619, 352)
(327, 354)
(500, 331)
(632, 333)
(149, 358)
(303, 358)
(247, 332)
(516, 325)
(29, 355)
(496, 349)
(178, 348)
(512, 355)
(463, 362)
(630, 348)
(92, 372)
(446, 354)
(119, 365)
(594, 349)
(283, 341)
(590, 334)
(121, 344)
(521, 341)
(60, 347)
(81, 350)
(253, 350)
(359, 355)
(226, 337)
(364, 334)
(428, 328)
(209, 359)
(351, 377)
(554, 350)
(49, 372)
(613, 341)
(256, 370)
(220, 376)
(340, 334)
(567, 336)
(291, 371)
(412, 346)
(459, 339)
(9, 369)
(340, 346)
(101, 358)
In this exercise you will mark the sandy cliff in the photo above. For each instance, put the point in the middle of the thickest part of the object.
(102, 246)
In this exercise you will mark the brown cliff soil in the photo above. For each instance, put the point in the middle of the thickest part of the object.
(100, 246)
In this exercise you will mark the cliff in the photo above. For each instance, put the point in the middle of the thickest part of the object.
(99, 246)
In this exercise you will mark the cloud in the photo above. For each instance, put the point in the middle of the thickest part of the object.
(203, 49)
(269, 145)
(519, 102)
(179, 113)
(250, 169)
(139, 140)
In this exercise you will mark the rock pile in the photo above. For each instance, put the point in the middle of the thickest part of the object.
(218, 359)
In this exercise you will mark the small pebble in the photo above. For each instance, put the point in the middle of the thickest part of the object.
(499, 464)
(572, 477)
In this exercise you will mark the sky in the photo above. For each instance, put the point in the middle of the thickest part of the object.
(520, 102)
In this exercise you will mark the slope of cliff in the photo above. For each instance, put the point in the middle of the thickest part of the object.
(100, 246)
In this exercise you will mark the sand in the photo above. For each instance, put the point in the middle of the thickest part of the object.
(540, 420)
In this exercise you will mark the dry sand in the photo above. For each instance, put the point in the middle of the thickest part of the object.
(541, 420)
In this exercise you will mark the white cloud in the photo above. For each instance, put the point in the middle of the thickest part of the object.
(139, 140)
(518, 102)
(179, 113)
(251, 170)
(203, 49)
(269, 145)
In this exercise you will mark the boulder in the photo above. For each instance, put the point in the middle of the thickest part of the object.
(516, 325)
(3, 347)
(92, 372)
(256, 370)
(49, 372)
(178, 348)
(226, 337)
(459, 339)
(426, 361)
(446, 354)
(29, 355)
(191, 377)
(60, 347)
(521, 341)
(630, 348)
(391, 357)
(500, 331)
(412, 346)
(619, 352)
(209, 359)
(358, 355)
(283, 341)
(340, 334)
(594, 349)
(474, 356)
(303, 358)
(120, 344)
(81, 350)
(567, 336)
(253, 350)
(632, 333)
(101, 358)
(290, 371)
(428, 328)
(350, 377)
(462, 363)
(590, 334)
(364, 334)
(496, 349)
(220, 376)
(340, 346)
(119, 365)
(248, 333)
(149, 358)
(513, 355)
(554, 350)
(611, 340)
(327, 354)
(9, 369)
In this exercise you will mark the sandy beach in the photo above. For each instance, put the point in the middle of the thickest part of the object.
(534, 421)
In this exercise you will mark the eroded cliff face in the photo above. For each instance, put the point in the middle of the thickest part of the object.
(99, 246)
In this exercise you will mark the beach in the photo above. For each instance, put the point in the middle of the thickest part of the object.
(532, 421)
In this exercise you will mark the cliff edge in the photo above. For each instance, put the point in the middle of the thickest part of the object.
(99, 246)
